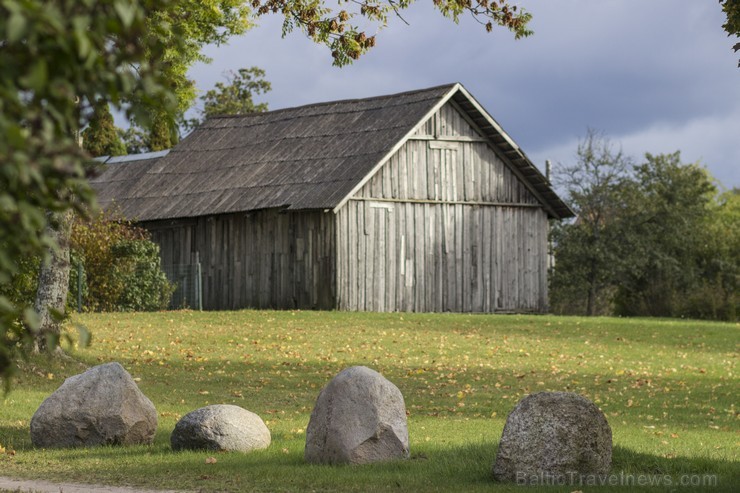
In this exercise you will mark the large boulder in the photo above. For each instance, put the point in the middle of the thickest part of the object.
(359, 417)
(221, 427)
(102, 406)
(553, 438)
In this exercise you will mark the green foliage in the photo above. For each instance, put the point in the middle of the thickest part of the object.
(101, 138)
(58, 59)
(731, 9)
(666, 229)
(135, 139)
(588, 251)
(338, 27)
(138, 269)
(162, 135)
(234, 97)
(658, 242)
(21, 289)
(121, 267)
(202, 22)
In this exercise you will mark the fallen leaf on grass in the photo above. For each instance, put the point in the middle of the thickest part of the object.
(211, 460)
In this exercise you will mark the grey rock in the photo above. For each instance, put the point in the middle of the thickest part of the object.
(553, 438)
(359, 418)
(102, 406)
(221, 427)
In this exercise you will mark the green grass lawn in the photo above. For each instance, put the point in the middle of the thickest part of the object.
(667, 387)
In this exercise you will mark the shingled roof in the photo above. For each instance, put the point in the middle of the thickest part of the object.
(310, 157)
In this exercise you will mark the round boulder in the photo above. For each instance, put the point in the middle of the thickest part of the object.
(221, 427)
(553, 438)
(359, 418)
(102, 406)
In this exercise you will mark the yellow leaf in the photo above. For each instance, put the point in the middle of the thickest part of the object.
(211, 460)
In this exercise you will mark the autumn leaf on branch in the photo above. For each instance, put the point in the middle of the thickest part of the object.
(339, 28)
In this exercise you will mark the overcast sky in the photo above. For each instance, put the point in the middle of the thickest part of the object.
(654, 75)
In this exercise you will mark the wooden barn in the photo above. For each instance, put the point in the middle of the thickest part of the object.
(410, 202)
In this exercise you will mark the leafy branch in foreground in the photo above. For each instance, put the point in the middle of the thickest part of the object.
(60, 59)
(339, 29)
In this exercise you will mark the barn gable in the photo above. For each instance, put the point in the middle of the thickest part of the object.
(460, 165)
(447, 223)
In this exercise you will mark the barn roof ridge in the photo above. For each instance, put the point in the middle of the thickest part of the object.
(337, 102)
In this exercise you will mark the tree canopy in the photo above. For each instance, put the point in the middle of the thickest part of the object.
(101, 138)
(235, 96)
(586, 255)
(652, 239)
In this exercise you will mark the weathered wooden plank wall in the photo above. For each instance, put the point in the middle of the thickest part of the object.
(445, 225)
(264, 259)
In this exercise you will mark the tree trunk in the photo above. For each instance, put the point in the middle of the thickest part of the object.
(51, 295)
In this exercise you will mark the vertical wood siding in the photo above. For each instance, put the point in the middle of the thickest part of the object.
(443, 226)
(264, 259)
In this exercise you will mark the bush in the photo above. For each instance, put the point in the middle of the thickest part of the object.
(121, 267)
(21, 290)
(138, 269)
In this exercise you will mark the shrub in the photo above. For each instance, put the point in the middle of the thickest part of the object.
(121, 267)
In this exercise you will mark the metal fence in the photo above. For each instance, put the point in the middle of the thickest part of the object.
(188, 281)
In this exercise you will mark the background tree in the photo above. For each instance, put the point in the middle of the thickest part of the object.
(233, 97)
(669, 211)
(586, 257)
(135, 139)
(101, 138)
(656, 240)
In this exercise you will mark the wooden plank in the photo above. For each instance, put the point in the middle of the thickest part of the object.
(487, 259)
(380, 259)
(423, 234)
(443, 144)
(437, 274)
(456, 172)
(462, 256)
(391, 274)
(446, 202)
(449, 138)
(453, 260)
(411, 267)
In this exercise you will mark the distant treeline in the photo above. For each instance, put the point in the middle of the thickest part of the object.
(651, 239)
